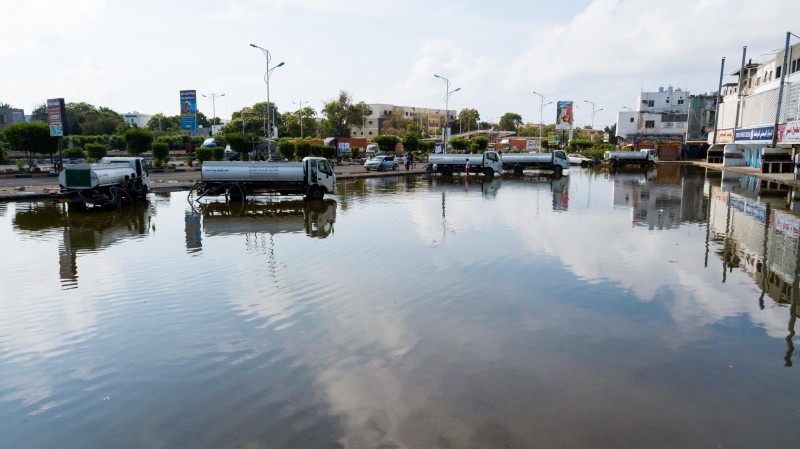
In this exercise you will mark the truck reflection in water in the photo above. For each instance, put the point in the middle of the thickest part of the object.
(315, 218)
(85, 232)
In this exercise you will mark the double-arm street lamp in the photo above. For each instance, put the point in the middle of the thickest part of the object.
(593, 111)
(446, 110)
(542, 104)
(213, 98)
(268, 57)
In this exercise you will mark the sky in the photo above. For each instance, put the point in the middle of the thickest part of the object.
(138, 55)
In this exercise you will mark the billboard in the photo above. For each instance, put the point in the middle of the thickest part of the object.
(189, 110)
(564, 115)
(56, 116)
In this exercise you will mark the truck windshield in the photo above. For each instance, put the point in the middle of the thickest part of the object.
(324, 167)
(492, 156)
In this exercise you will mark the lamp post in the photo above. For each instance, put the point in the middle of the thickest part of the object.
(268, 57)
(300, 114)
(542, 104)
(446, 111)
(593, 110)
(213, 98)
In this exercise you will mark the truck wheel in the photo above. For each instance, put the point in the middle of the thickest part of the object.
(488, 171)
(315, 193)
(518, 170)
(557, 170)
(447, 170)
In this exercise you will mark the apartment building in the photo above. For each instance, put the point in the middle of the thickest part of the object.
(430, 120)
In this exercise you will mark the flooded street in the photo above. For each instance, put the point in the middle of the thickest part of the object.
(625, 310)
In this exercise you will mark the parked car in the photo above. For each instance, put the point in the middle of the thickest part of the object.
(577, 159)
(381, 163)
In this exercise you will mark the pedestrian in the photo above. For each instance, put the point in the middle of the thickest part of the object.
(132, 185)
(411, 159)
(466, 167)
(407, 161)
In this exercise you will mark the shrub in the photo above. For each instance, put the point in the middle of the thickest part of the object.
(202, 154)
(355, 152)
(96, 151)
(217, 153)
(303, 149)
(160, 151)
(74, 153)
(286, 148)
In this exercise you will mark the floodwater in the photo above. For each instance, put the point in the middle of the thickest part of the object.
(626, 310)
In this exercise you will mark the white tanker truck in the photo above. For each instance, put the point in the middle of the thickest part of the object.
(557, 162)
(104, 183)
(313, 178)
(487, 163)
(642, 158)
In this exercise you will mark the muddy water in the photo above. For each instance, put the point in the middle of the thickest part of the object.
(626, 310)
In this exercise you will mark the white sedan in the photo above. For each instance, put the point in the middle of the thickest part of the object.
(577, 159)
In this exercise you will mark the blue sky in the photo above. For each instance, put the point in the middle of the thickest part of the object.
(137, 56)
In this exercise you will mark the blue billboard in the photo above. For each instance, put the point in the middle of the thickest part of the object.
(189, 110)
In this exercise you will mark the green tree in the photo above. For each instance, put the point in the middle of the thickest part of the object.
(341, 114)
(286, 148)
(164, 124)
(411, 140)
(387, 144)
(39, 113)
(480, 144)
(510, 121)
(396, 124)
(30, 138)
(137, 140)
(96, 151)
(160, 153)
(468, 119)
(459, 143)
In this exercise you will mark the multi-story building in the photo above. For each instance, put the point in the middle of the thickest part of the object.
(430, 120)
(136, 118)
(659, 121)
(10, 115)
(758, 121)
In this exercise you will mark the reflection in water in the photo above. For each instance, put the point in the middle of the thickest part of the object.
(254, 218)
(85, 231)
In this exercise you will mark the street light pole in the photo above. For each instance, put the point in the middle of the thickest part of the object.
(299, 114)
(446, 135)
(268, 57)
(213, 98)
(542, 104)
(593, 111)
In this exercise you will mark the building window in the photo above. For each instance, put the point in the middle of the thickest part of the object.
(2, 118)
(369, 122)
(370, 133)
(649, 123)
(631, 119)
(667, 100)
(680, 100)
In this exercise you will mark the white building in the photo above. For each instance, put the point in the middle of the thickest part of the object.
(430, 120)
(135, 118)
(659, 121)
(756, 125)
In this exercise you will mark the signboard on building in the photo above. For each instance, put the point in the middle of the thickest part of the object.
(189, 110)
(344, 147)
(725, 136)
(564, 115)
(760, 134)
(56, 116)
(789, 132)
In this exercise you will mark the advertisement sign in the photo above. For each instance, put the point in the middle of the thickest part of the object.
(789, 132)
(758, 134)
(56, 116)
(189, 110)
(725, 136)
(344, 147)
(564, 115)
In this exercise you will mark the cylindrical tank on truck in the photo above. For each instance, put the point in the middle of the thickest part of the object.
(556, 162)
(105, 182)
(487, 163)
(618, 159)
(313, 178)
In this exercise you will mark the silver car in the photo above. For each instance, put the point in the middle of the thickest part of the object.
(381, 163)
